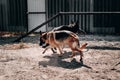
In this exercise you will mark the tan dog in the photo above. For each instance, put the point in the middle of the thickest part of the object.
(73, 27)
(61, 38)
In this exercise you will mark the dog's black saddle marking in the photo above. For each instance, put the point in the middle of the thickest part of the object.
(74, 28)
(60, 36)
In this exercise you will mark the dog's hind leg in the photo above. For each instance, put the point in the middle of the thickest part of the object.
(73, 54)
(81, 56)
(60, 50)
(80, 50)
(72, 46)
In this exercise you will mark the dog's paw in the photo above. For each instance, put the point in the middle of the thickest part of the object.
(81, 60)
(43, 52)
(71, 59)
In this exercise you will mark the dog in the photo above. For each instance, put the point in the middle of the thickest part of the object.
(56, 39)
(73, 27)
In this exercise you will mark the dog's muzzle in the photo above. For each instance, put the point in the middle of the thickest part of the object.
(43, 45)
(40, 44)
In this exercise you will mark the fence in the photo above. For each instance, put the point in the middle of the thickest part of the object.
(105, 23)
(13, 15)
(56, 6)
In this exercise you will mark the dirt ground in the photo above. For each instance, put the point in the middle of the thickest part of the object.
(25, 61)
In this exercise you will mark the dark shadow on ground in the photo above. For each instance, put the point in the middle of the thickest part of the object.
(103, 47)
(10, 40)
(7, 40)
(54, 60)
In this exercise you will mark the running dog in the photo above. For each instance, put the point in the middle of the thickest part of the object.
(56, 39)
(73, 27)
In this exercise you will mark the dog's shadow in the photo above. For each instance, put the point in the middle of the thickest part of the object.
(55, 60)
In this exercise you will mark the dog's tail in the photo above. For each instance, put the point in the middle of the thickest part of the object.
(83, 46)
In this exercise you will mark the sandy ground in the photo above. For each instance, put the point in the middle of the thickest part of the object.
(25, 61)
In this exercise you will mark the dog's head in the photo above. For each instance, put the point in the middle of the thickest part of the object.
(76, 24)
(77, 28)
(71, 24)
(43, 37)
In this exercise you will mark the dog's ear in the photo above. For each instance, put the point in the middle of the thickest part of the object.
(44, 35)
(77, 22)
(72, 22)
(40, 32)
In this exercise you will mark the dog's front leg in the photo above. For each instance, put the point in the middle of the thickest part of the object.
(45, 50)
(54, 50)
(60, 50)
